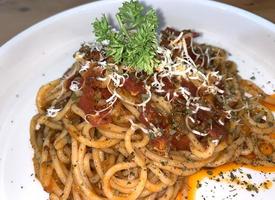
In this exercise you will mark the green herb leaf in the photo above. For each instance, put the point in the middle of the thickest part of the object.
(135, 44)
(102, 29)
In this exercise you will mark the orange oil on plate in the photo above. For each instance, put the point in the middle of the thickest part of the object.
(268, 105)
(200, 175)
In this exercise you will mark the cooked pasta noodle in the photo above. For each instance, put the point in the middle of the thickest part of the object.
(109, 132)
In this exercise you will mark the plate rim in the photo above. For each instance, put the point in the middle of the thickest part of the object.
(220, 5)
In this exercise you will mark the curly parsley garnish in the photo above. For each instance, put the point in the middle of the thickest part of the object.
(135, 43)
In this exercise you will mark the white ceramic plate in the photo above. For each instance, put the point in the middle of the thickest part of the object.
(44, 51)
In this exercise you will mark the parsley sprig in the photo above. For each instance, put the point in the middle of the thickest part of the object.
(135, 43)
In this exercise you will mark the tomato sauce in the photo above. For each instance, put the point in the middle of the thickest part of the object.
(134, 86)
(91, 97)
(180, 142)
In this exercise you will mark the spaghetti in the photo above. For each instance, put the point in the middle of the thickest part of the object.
(105, 131)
